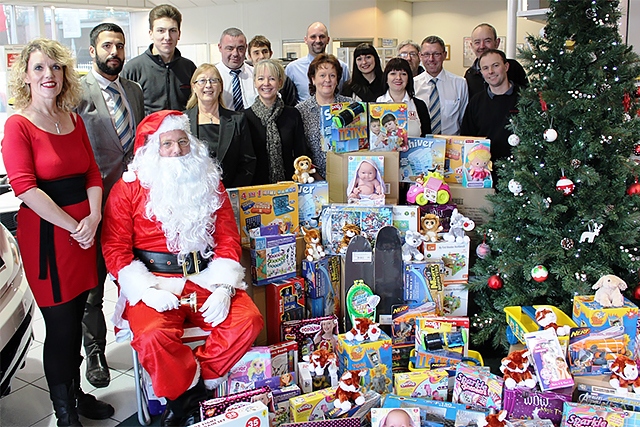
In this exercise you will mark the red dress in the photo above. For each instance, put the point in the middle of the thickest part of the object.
(32, 154)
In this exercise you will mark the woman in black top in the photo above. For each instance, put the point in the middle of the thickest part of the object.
(224, 131)
(366, 83)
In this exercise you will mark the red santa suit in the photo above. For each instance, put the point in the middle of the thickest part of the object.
(157, 335)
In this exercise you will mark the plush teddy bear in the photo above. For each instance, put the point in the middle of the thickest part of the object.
(457, 226)
(608, 291)
(350, 231)
(314, 249)
(412, 240)
(548, 320)
(624, 373)
(348, 391)
(430, 227)
(321, 359)
(515, 370)
(303, 170)
(363, 329)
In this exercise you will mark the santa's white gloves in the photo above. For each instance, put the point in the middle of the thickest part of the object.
(160, 300)
(216, 308)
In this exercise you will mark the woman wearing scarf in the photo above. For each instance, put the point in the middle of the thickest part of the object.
(276, 129)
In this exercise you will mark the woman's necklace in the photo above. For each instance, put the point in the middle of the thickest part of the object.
(55, 123)
(208, 116)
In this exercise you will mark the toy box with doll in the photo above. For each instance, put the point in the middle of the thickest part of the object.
(441, 341)
(322, 281)
(373, 356)
(429, 383)
(522, 403)
(369, 219)
(311, 198)
(312, 334)
(387, 417)
(219, 405)
(454, 255)
(393, 127)
(577, 414)
(284, 358)
(548, 360)
(336, 422)
(423, 282)
(254, 414)
(344, 127)
(365, 178)
(436, 413)
(591, 353)
(312, 406)
(281, 398)
(477, 164)
(589, 313)
(273, 258)
(423, 155)
(403, 321)
(456, 299)
(285, 302)
(476, 387)
(454, 156)
(255, 365)
(406, 218)
(262, 205)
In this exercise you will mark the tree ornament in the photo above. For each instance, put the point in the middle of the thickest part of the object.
(513, 139)
(636, 292)
(543, 103)
(634, 188)
(483, 250)
(495, 282)
(575, 163)
(636, 148)
(566, 243)
(592, 233)
(539, 273)
(565, 185)
(550, 135)
(515, 187)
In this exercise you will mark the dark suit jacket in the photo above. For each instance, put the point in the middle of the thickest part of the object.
(235, 151)
(107, 149)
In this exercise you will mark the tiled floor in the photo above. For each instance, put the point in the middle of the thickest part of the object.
(29, 403)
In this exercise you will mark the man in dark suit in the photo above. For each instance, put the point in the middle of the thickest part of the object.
(111, 108)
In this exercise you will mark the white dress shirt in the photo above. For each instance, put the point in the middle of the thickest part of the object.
(454, 96)
(249, 93)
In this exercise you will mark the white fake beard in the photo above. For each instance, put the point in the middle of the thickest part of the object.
(183, 196)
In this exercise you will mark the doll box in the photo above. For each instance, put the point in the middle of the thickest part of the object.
(285, 302)
(370, 219)
(273, 258)
(262, 205)
(322, 281)
(379, 417)
(588, 313)
(312, 406)
(253, 366)
(454, 156)
(312, 334)
(522, 403)
(432, 384)
(219, 405)
(375, 356)
(311, 197)
(375, 165)
(342, 130)
(548, 359)
(455, 256)
(393, 126)
(576, 414)
(406, 218)
(424, 282)
(252, 415)
(423, 154)
(476, 164)
(472, 386)
(435, 413)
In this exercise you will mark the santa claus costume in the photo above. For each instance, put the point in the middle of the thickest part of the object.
(168, 231)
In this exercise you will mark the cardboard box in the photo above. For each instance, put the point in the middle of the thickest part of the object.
(472, 202)
(285, 302)
(312, 406)
(254, 414)
(323, 283)
(523, 403)
(393, 126)
(281, 398)
(454, 156)
(424, 154)
(273, 258)
(374, 188)
(424, 282)
(406, 218)
(455, 256)
(370, 219)
(311, 197)
(353, 136)
(375, 356)
(456, 299)
(337, 175)
(312, 334)
(477, 165)
(263, 205)
(432, 384)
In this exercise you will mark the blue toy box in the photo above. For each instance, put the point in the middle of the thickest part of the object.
(273, 258)
(322, 280)
(372, 355)
(423, 282)
(477, 164)
(342, 137)
(311, 198)
(424, 154)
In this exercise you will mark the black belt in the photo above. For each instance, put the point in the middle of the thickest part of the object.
(164, 262)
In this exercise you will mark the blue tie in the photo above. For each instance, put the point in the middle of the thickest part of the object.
(121, 117)
(237, 92)
(434, 108)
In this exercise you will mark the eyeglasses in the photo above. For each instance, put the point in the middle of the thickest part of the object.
(168, 144)
(203, 82)
(406, 55)
(434, 55)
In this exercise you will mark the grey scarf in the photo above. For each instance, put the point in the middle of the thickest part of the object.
(268, 117)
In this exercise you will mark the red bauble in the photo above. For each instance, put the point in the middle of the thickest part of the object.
(634, 188)
(565, 185)
(636, 292)
(495, 282)
(636, 149)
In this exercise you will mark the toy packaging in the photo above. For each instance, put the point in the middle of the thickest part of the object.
(591, 353)
(285, 302)
(454, 152)
(281, 398)
(441, 341)
(576, 414)
(478, 388)
(310, 381)
(370, 219)
(387, 417)
(435, 413)
(588, 313)
(605, 395)
(533, 404)
(311, 198)
(273, 258)
(428, 383)
(393, 127)
(312, 334)
(312, 406)
(375, 356)
(362, 412)
(338, 422)
(548, 360)
(423, 155)
(322, 281)
(477, 164)
(284, 358)
(400, 357)
(456, 298)
(406, 218)
(344, 126)
(522, 319)
(365, 180)
(403, 317)
(252, 415)
(253, 366)
(455, 256)
(219, 405)
(443, 212)
(261, 205)
(543, 422)
(423, 282)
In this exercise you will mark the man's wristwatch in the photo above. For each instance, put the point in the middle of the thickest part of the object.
(230, 289)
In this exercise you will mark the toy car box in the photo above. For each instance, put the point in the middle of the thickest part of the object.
(455, 256)
(263, 205)
(322, 281)
(370, 219)
(272, 258)
(311, 197)
(285, 302)
(372, 355)
(344, 127)
(423, 155)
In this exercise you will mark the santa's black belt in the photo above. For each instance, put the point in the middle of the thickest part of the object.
(164, 262)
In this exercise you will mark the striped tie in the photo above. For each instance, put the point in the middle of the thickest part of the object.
(237, 92)
(434, 108)
(121, 117)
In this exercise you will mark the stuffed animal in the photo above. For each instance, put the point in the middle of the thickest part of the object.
(515, 370)
(363, 329)
(303, 170)
(314, 249)
(412, 240)
(321, 359)
(608, 291)
(349, 231)
(494, 420)
(348, 391)
(624, 373)
(430, 227)
(457, 226)
(547, 319)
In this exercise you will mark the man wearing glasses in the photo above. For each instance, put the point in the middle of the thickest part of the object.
(411, 52)
(237, 77)
(445, 93)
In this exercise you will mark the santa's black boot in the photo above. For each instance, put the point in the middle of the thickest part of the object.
(185, 410)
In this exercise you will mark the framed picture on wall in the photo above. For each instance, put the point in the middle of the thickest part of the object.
(469, 56)
(448, 48)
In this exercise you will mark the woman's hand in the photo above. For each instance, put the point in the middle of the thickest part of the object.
(86, 230)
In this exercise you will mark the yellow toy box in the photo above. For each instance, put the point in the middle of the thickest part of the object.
(431, 384)
(312, 406)
(374, 356)
(263, 205)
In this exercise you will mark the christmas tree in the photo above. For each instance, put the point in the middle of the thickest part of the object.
(561, 199)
